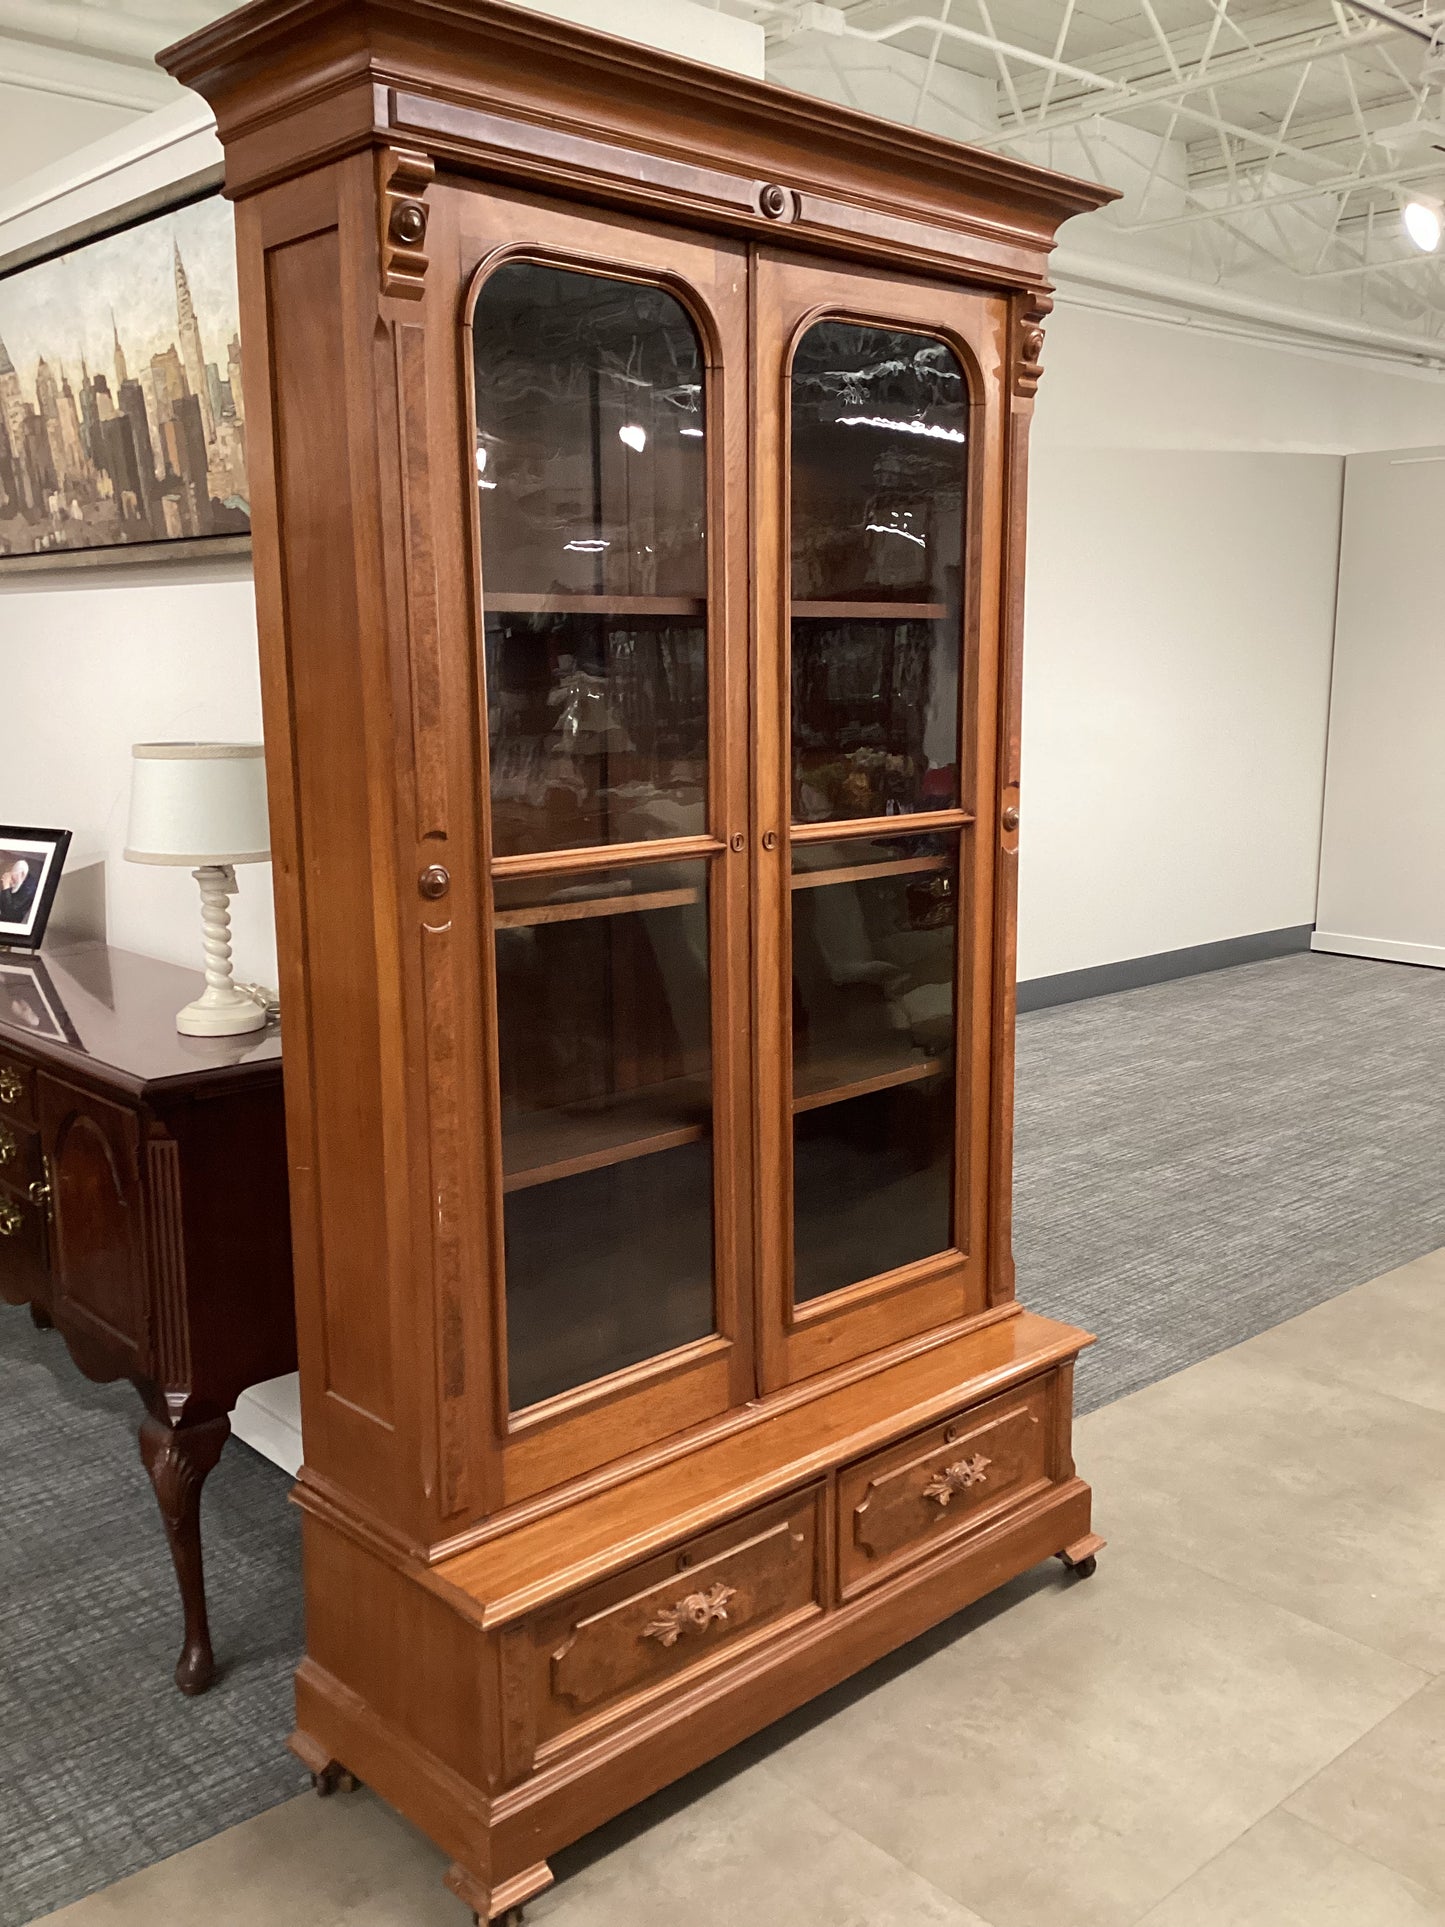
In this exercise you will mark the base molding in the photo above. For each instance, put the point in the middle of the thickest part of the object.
(499, 1845)
(1382, 949)
(1162, 967)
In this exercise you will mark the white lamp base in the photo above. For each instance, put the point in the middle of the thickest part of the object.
(221, 1010)
(227, 1018)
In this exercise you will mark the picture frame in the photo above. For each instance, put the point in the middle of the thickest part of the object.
(31, 861)
(30, 1003)
(122, 402)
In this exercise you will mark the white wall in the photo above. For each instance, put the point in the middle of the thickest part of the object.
(102, 660)
(1382, 867)
(1184, 519)
(1176, 691)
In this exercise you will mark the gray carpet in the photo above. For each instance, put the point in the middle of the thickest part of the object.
(104, 1767)
(1197, 1161)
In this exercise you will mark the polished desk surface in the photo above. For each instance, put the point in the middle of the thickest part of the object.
(85, 1005)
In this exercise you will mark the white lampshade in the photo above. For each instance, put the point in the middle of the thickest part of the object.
(198, 803)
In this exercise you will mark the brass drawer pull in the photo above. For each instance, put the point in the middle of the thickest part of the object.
(11, 1221)
(9, 1145)
(12, 1086)
(40, 1193)
(693, 1614)
(957, 1477)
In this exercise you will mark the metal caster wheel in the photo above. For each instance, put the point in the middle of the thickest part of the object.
(1081, 1558)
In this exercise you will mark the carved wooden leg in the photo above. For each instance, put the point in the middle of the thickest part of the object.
(40, 1318)
(1081, 1557)
(178, 1458)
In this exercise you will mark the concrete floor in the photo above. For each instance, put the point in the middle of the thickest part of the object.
(1239, 1722)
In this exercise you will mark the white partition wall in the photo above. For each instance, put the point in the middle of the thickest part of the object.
(1382, 856)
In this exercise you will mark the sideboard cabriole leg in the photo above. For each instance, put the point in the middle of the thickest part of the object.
(40, 1318)
(178, 1458)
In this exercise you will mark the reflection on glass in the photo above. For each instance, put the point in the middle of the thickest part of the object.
(598, 730)
(874, 946)
(591, 477)
(605, 1056)
(879, 467)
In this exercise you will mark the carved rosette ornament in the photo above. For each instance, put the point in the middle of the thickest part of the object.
(957, 1477)
(404, 177)
(1033, 313)
(693, 1614)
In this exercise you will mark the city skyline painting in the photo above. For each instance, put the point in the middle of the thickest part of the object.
(122, 410)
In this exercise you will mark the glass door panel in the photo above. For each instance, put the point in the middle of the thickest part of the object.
(874, 964)
(591, 478)
(879, 439)
(614, 787)
(878, 410)
(606, 1086)
(879, 470)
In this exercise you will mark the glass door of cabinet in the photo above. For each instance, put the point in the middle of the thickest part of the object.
(877, 621)
(615, 696)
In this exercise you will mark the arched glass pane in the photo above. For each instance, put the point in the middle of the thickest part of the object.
(591, 474)
(879, 471)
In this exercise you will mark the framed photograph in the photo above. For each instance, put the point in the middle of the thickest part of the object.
(122, 409)
(29, 1002)
(30, 866)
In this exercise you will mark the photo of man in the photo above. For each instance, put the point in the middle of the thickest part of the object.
(30, 866)
(19, 880)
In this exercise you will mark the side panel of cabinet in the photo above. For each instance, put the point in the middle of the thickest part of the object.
(93, 1151)
(821, 824)
(319, 360)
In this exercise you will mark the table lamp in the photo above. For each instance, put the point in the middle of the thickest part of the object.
(204, 804)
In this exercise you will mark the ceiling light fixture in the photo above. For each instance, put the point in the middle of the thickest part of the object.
(1424, 222)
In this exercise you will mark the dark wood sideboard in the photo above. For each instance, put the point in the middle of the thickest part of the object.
(144, 1213)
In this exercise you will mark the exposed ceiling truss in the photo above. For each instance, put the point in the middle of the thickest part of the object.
(1272, 141)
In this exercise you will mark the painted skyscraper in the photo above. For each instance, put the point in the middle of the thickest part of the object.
(191, 352)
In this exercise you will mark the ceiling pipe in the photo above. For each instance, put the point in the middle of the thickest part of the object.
(1406, 23)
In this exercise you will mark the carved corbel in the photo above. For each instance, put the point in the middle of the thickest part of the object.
(404, 175)
(1033, 311)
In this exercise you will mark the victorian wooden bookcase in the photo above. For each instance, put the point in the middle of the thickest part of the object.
(637, 457)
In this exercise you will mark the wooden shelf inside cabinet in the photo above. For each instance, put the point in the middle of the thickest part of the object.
(898, 866)
(849, 611)
(579, 909)
(540, 1146)
(510, 602)
(857, 1071)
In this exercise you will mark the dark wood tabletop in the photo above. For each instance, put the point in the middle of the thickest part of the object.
(87, 1003)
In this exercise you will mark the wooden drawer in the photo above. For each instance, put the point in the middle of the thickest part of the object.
(24, 1256)
(903, 1503)
(17, 1089)
(20, 1160)
(604, 1653)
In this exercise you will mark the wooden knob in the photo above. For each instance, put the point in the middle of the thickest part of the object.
(775, 201)
(408, 223)
(433, 882)
(1010, 817)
